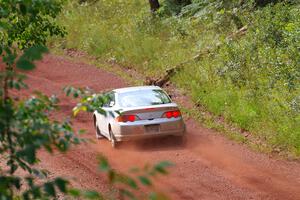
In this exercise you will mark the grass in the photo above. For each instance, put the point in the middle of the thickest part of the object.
(252, 81)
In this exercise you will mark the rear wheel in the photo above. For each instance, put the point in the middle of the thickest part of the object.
(98, 132)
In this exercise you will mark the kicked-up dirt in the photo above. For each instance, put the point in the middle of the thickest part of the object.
(207, 165)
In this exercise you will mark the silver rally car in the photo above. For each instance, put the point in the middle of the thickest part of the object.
(136, 113)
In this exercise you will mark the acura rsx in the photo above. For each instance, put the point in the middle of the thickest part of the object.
(136, 113)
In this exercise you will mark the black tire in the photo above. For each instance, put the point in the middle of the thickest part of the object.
(94, 120)
(98, 132)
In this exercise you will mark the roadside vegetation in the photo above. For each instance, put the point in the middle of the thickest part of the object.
(241, 58)
(28, 124)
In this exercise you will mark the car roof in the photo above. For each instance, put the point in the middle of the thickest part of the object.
(129, 89)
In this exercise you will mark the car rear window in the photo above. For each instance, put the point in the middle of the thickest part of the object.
(143, 98)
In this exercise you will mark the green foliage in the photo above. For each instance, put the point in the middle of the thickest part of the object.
(89, 100)
(25, 126)
(29, 55)
(29, 23)
(129, 186)
(252, 79)
(173, 7)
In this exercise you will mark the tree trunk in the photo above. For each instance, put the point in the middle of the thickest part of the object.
(154, 5)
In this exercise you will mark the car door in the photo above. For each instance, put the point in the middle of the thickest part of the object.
(107, 107)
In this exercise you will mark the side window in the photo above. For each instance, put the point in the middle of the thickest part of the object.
(110, 99)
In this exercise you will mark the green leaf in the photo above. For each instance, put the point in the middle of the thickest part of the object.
(61, 184)
(103, 164)
(49, 189)
(9, 57)
(17, 182)
(25, 64)
(35, 52)
(74, 192)
(161, 167)
(165, 164)
(128, 194)
(63, 145)
(30, 152)
(75, 94)
(128, 181)
(68, 90)
(92, 195)
(101, 111)
(145, 181)
(81, 132)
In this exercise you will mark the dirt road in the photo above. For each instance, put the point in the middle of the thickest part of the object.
(208, 166)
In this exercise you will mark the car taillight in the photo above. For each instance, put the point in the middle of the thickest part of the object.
(126, 118)
(170, 114)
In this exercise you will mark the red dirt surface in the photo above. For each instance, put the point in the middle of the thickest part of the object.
(208, 166)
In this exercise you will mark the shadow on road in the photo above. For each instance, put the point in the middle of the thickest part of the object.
(155, 144)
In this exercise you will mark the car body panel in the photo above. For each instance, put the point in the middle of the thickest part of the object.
(142, 128)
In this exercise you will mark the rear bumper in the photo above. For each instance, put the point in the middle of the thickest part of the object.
(137, 130)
